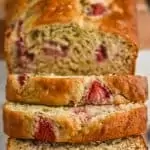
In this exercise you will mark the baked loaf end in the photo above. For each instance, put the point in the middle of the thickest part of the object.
(131, 143)
(74, 124)
(76, 90)
(71, 37)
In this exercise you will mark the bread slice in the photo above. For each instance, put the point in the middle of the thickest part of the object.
(130, 143)
(74, 124)
(71, 37)
(76, 90)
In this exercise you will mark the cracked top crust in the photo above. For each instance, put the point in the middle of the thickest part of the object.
(78, 90)
(120, 16)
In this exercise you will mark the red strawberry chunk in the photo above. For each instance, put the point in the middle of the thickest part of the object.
(97, 9)
(101, 53)
(24, 57)
(97, 94)
(52, 48)
(20, 48)
(82, 113)
(45, 130)
(23, 54)
(22, 78)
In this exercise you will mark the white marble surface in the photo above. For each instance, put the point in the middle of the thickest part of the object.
(143, 63)
(2, 100)
(143, 68)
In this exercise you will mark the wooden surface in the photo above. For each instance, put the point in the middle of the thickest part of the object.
(143, 27)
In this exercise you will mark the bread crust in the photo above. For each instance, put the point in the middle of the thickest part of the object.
(123, 14)
(16, 144)
(118, 125)
(72, 90)
(13, 11)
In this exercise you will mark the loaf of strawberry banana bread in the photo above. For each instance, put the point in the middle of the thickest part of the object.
(71, 37)
(76, 90)
(130, 143)
(74, 124)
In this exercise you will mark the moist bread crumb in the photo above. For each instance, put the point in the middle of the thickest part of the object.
(80, 38)
(130, 143)
(74, 124)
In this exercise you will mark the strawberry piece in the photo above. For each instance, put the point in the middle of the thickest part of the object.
(24, 57)
(20, 47)
(22, 78)
(82, 113)
(55, 49)
(20, 42)
(97, 9)
(97, 94)
(44, 130)
(101, 53)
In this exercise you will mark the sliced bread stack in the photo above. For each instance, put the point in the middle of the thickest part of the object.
(71, 83)
(75, 110)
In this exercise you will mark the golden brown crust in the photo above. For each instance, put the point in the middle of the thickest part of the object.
(132, 87)
(71, 90)
(14, 10)
(17, 119)
(121, 20)
(55, 91)
(56, 11)
(118, 125)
